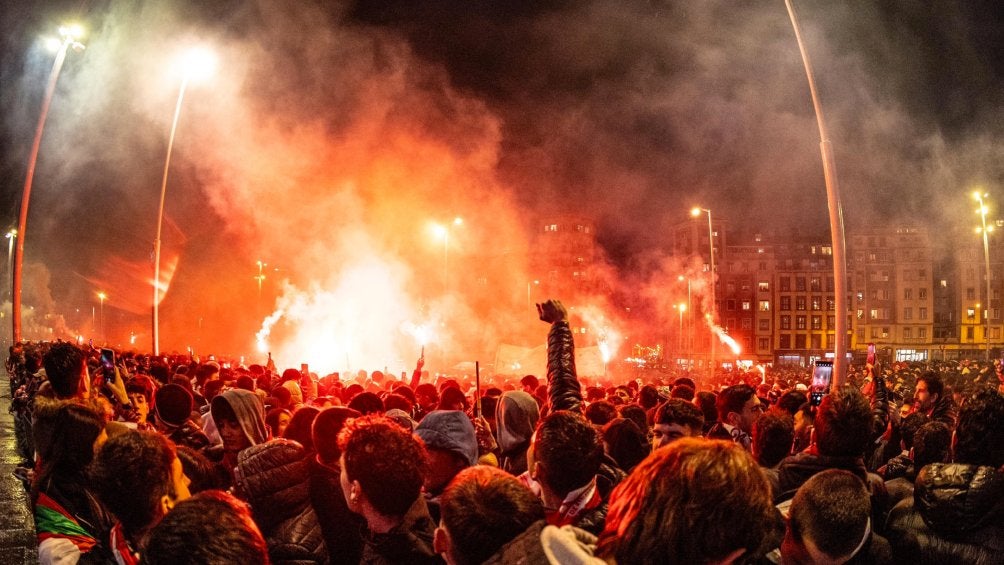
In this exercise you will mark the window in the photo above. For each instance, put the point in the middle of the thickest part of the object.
(800, 283)
(764, 325)
(763, 343)
(744, 284)
(730, 305)
(922, 313)
(785, 322)
(995, 333)
(763, 286)
(830, 321)
(817, 322)
(815, 284)
(922, 274)
(800, 341)
(785, 284)
(799, 303)
(816, 342)
(908, 313)
(785, 303)
(785, 341)
(922, 333)
(817, 303)
(747, 305)
(970, 312)
(799, 322)
(908, 294)
(861, 314)
(765, 305)
(875, 333)
(747, 323)
(922, 294)
(551, 227)
(969, 333)
(885, 332)
(831, 304)
(907, 333)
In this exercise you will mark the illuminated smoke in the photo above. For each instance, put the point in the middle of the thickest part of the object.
(726, 339)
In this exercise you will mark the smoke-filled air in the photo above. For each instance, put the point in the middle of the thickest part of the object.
(352, 185)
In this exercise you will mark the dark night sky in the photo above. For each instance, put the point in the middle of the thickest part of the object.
(629, 112)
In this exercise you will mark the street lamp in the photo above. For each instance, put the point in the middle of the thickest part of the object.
(682, 308)
(11, 235)
(198, 64)
(70, 35)
(985, 230)
(695, 212)
(261, 277)
(443, 231)
(102, 296)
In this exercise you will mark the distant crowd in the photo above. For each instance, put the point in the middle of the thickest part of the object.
(131, 459)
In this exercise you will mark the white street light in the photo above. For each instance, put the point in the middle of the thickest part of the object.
(695, 212)
(102, 296)
(70, 36)
(198, 64)
(985, 230)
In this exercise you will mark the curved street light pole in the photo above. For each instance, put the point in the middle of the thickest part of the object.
(69, 41)
(836, 216)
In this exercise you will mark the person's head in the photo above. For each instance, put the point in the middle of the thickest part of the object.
(451, 446)
(600, 412)
(932, 443)
(566, 452)
(300, 425)
(383, 467)
(66, 436)
(625, 443)
(773, 436)
(426, 396)
(172, 406)
(140, 390)
(696, 501)
(930, 388)
(909, 426)
(706, 402)
(211, 528)
(675, 419)
(240, 418)
(324, 432)
(202, 473)
(395, 401)
(367, 403)
(739, 406)
(905, 408)
(529, 384)
(481, 510)
(139, 478)
(452, 399)
(791, 401)
(636, 414)
(843, 423)
(683, 392)
(829, 520)
(277, 420)
(66, 369)
(648, 397)
(979, 434)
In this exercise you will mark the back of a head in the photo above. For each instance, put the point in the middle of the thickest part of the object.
(979, 435)
(300, 427)
(791, 401)
(648, 397)
(388, 463)
(707, 402)
(733, 399)
(694, 501)
(843, 423)
(367, 403)
(131, 474)
(600, 412)
(683, 392)
(484, 508)
(324, 432)
(773, 435)
(569, 449)
(64, 363)
(833, 511)
(681, 412)
(932, 443)
(64, 433)
(909, 426)
(211, 528)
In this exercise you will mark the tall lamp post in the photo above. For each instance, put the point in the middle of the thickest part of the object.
(985, 230)
(695, 212)
(690, 320)
(11, 235)
(69, 35)
(101, 319)
(198, 63)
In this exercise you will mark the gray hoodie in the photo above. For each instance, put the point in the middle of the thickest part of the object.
(516, 417)
(250, 412)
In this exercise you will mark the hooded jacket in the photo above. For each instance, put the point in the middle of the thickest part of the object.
(250, 412)
(273, 478)
(955, 516)
(516, 417)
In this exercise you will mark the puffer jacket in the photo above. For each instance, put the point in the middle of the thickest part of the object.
(563, 389)
(273, 477)
(955, 516)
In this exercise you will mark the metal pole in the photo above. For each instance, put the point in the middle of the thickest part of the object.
(22, 220)
(160, 221)
(986, 260)
(714, 305)
(836, 216)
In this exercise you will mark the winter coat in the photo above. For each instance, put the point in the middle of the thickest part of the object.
(563, 389)
(541, 544)
(409, 543)
(273, 478)
(955, 516)
(342, 529)
(795, 470)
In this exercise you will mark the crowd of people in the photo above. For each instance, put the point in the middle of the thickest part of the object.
(137, 460)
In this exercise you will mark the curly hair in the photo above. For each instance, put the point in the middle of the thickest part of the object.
(843, 423)
(569, 449)
(388, 462)
(131, 473)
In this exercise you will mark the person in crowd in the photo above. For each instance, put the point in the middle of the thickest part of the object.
(210, 528)
(240, 417)
(367, 403)
(277, 419)
(773, 436)
(600, 413)
(451, 446)
(139, 478)
(636, 414)
(955, 514)
(341, 528)
(625, 443)
(202, 473)
(694, 501)
(675, 419)
(706, 402)
(931, 399)
(738, 409)
(791, 401)
(382, 472)
(489, 517)
(426, 399)
(70, 522)
(529, 384)
(564, 392)
(899, 465)
(844, 429)
(805, 418)
(140, 390)
(273, 478)
(172, 411)
(516, 416)
(829, 521)
(299, 428)
(931, 444)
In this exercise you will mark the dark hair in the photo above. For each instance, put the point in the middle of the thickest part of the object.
(843, 423)
(325, 429)
(483, 508)
(832, 509)
(648, 397)
(979, 434)
(773, 436)
(367, 403)
(404, 390)
(211, 528)
(679, 411)
(625, 443)
(64, 433)
(934, 383)
(429, 390)
(636, 414)
(932, 443)
(683, 392)
(212, 389)
(271, 419)
(283, 396)
(707, 402)
(693, 501)
(530, 381)
(300, 425)
(131, 473)
(203, 473)
(684, 381)
(245, 382)
(733, 399)
(791, 401)
(400, 402)
(388, 462)
(569, 450)
(63, 368)
(600, 412)
(909, 426)
(450, 396)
